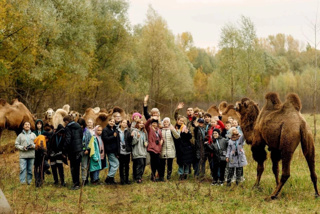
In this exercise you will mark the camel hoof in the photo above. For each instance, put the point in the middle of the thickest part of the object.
(270, 198)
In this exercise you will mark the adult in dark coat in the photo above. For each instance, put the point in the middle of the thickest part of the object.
(55, 148)
(184, 149)
(73, 148)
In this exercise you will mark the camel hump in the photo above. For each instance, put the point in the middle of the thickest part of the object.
(273, 97)
(229, 107)
(294, 100)
(66, 108)
(213, 107)
(223, 105)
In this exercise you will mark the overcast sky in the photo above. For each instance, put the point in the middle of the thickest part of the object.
(205, 18)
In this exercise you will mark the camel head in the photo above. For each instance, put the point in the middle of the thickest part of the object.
(49, 113)
(248, 110)
(75, 115)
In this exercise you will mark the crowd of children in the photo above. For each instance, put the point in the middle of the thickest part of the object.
(193, 140)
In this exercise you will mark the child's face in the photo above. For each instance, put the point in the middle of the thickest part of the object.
(111, 122)
(136, 118)
(213, 122)
(141, 124)
(39, 125)
(207, 119)
(215, 135)
(180, 121)
(166, 123)
(201, 124)
(154, 125)
(124, 124)
(230, 119)
(234, 123)
(228, 126)
(90, 124)
(99, 131)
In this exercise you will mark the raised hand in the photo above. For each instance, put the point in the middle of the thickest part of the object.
(146, 98)
(180, 106)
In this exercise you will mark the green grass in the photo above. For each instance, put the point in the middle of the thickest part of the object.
(189, 196)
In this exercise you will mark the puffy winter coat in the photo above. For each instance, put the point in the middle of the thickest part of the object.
(184, 148)
(73, 140)
(168, 149)
(235, 153)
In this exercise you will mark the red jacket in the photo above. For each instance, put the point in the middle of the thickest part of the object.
(153, 136)
(210, 131)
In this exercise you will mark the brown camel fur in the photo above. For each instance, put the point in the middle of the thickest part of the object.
(13, 116)
(281, 127)
(222, 106)
(213, 110)
(227, 111)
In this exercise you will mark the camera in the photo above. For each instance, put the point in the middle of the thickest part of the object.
(123, 146)
(157, 142)
(236, 153)
(29, 147)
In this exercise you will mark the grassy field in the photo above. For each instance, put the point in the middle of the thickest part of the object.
(172, 196)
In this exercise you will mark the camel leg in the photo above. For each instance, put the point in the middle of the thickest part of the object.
(286, 161)
(260, 155)
(275, 157)
(310, 160)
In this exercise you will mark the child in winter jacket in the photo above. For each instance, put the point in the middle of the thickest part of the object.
(218, 147)
(139, 150)
(96, 147)
(235, 156)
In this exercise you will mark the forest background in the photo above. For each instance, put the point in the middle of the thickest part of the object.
(87, 54)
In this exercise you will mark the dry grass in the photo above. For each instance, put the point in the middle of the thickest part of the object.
(169, 197)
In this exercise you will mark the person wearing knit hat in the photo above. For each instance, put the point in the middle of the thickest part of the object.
(168, 151)
(218, 147)
(135, 117)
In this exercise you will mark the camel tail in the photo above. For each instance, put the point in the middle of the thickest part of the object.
(294, 100)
